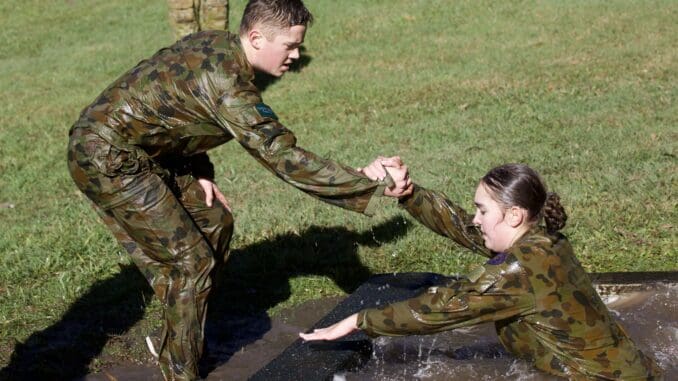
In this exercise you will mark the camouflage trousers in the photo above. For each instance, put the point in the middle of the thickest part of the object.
(160, 217)
(190, 16)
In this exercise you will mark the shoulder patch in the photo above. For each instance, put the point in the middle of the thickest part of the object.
(265, 111)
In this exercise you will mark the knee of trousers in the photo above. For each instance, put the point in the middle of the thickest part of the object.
(222, 246)
(195, 263)
(217, 225)
(225, 233)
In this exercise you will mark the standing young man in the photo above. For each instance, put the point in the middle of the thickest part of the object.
(138, 152)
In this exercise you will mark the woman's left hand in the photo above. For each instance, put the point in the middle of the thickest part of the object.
(211, 192)
(333, 332)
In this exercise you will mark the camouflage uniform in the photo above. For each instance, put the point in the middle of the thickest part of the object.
(544, 306)
(190, 16)
(138, 149)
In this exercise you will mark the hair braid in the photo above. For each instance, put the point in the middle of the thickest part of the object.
(554, 213)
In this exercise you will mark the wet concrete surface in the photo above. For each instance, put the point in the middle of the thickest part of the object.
(244, 357)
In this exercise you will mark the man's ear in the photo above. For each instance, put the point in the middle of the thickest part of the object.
(516, 216)
(255, 37)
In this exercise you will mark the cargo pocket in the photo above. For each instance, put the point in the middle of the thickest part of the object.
(456, 304)
(447, 300)
(115, 161)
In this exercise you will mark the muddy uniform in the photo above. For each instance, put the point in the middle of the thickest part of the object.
(544, 306)
(138, 149)
(190, 16)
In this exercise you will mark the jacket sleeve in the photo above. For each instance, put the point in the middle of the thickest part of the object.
(256, 128)
(444, 217)
(494, 295)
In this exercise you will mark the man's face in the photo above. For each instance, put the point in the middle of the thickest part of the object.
(276, 53)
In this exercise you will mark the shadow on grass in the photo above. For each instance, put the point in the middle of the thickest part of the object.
(64, 350)
(255, 279)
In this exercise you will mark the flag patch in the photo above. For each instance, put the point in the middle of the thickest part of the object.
(265, 111)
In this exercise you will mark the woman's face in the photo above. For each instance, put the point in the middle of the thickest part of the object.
(491, 218)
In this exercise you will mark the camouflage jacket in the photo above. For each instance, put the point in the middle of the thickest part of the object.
(198, 94)
(543, 304)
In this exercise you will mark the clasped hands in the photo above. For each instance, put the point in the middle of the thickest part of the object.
(395, 168)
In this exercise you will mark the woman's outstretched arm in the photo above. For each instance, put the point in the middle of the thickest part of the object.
(335, 331)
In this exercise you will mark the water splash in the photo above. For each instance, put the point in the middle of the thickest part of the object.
(475, 353)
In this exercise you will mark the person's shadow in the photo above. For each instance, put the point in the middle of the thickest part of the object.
(64, 350)
(255, 279)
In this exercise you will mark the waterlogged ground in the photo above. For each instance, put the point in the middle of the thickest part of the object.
(241, 356)
(649, 317)
(474, 353)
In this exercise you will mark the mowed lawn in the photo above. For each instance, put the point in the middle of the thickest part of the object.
(583, 91)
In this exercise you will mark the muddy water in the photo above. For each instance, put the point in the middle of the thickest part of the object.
(243, 355)
(649, 317)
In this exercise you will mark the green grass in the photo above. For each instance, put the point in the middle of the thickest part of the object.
(583, 91)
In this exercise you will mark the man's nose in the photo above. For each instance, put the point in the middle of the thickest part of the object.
(294, 54)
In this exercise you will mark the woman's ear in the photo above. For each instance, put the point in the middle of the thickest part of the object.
(516, 216)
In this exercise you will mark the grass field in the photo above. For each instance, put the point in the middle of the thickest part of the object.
(583, 91)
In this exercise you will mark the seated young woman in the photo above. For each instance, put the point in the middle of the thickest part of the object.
(533, 288)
